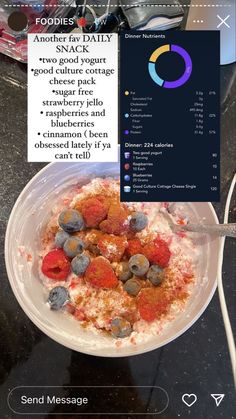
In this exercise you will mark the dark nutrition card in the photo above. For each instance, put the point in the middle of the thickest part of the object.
(170, 116)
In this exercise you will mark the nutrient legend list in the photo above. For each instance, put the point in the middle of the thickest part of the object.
(170, 116)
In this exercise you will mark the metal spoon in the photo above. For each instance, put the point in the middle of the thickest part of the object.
(217, 229)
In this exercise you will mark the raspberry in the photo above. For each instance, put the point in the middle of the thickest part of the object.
(100, 274)
(56, 265)
(157, 252)
(112, 247)
(134, 247)
(117, 220)
(105, 201)
(152, 303)
(93, 212)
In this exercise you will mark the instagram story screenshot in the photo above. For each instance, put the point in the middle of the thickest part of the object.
(118, 209)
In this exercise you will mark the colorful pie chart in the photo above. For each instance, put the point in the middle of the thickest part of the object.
(152, 66)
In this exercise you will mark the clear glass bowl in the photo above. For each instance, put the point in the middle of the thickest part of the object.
(26, 223)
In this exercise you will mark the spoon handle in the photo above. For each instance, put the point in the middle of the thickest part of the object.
(218, 229)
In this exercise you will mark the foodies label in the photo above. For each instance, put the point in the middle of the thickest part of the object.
(72, 97)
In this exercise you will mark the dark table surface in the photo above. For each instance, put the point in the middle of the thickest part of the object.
(197, 362)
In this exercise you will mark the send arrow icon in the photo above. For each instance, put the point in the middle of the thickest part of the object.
(218, 398)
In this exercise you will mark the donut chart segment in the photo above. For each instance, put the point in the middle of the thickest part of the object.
(175, 83)
(154, 75)
(158, 52)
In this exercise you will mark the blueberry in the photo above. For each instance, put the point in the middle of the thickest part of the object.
(73, 246)
(138, 264)
(155, 275)
(60, 238)
(123, 271)
(79, 264)
(58, 296)
(71, 220)
(138, 221)
(132, 286)
(120, 328)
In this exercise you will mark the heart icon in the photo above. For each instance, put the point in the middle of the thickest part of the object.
(189, 399)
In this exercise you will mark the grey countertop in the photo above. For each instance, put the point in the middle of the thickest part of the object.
(197, 362)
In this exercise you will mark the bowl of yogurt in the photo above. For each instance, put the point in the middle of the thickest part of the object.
(101, 276)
